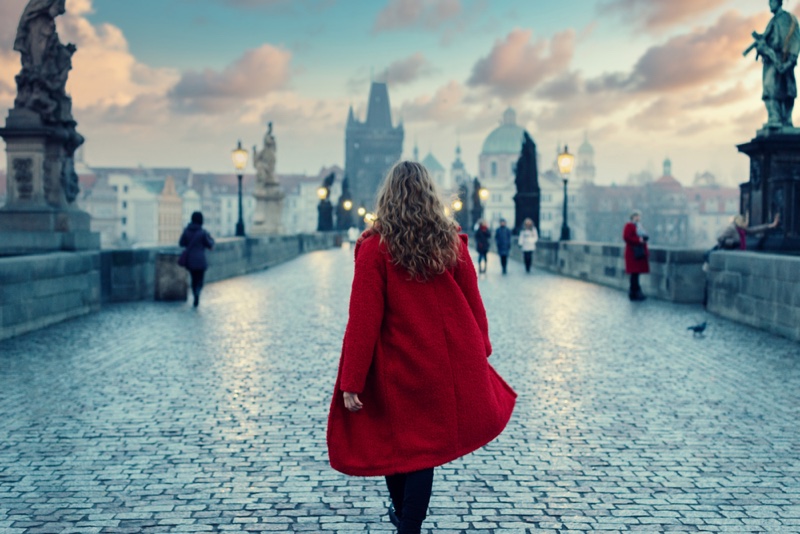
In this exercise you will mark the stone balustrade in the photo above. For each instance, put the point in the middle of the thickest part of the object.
(43, 289)
(757, 289)
(675, 274)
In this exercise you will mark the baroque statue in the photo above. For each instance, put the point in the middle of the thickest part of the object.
(268, 194)
(264, 161)
(42, 82)
(778, 48)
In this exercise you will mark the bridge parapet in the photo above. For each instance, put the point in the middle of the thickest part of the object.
(675, 274)
(757, 289)
(43, 289)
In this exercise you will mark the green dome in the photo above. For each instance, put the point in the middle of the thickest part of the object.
(506, 138)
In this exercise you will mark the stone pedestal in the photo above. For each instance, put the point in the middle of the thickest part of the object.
(171, 279)
(267, 218)
(774, 186)
(39, 215)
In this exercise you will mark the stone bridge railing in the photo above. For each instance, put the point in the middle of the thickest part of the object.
(43, 289)
(754, 288)
(675, 274)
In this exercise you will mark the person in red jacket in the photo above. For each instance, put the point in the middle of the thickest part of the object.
(415, 389)
(636, 254)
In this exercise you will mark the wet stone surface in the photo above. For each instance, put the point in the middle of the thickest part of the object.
(153, 417)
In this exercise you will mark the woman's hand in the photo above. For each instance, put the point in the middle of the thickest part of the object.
(351, 402)
(777, 221)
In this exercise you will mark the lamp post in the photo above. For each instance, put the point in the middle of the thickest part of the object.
(362, 212)
(565, 163)
(240, 162)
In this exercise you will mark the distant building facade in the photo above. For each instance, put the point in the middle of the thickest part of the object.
(496, 168)
(170, 214)
(371, 147)
(300, 213)
(673, 215)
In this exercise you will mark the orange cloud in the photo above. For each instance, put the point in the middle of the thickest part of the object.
(429, 14)
(517, 65)
(444, 106)
(658, 15)
(255, 74)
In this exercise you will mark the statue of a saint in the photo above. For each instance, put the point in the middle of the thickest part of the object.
(264, 161)
(778, 48)
(42, 83)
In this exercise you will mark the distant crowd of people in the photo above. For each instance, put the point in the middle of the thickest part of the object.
(527, 239)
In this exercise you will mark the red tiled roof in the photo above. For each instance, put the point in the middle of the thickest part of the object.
(87, 181)
(668, 182)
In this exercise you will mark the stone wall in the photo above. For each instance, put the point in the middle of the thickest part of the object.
(757, 289)
(675, 274)
(39, 290)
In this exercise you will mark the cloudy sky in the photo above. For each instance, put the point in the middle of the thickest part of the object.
(177, 82)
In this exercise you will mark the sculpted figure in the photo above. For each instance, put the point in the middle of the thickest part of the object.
(42, 83)
(264, 161)
(778, 48)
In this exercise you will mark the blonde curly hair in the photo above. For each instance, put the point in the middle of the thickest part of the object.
(411, 220)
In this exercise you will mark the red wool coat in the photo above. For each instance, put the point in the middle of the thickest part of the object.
(416, 354)
(633, 265)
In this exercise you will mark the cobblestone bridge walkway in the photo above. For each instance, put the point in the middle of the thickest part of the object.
(153, 417)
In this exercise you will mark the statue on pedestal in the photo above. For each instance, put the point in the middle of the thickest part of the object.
(774, 182)
(41, 137)
(42, 98)
(268, 194)
(778, 48)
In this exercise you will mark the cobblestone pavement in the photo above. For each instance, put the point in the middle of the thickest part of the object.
(154, 417)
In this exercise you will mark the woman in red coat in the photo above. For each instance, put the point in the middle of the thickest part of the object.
(636, 254)
(415, 389)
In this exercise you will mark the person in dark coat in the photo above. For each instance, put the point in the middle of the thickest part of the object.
(502, 237)
(482, 238)
(414, 389)
(636, 254)
(196, 240)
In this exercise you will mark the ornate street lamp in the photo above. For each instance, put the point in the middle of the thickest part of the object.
(565, 164)
(362, 211)
(348, 205)
(484, 194)
(457, 205)
(240, 162)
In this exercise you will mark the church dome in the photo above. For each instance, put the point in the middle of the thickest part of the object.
(506, 138)
(586, 149)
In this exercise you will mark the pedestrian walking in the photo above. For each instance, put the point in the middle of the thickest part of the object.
(352, 235)
(196, 240)
(502, 237)
(415, 389)
(636, 254)
(528, 237)
(482, 238)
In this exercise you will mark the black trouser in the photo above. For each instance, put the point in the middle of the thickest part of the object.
(411, 493)
(636, 289)
(528, 256)
(504, 262)
(197, 280)
(482, 261)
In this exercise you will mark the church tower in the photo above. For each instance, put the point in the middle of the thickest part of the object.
(585, 169)
(371, 147)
